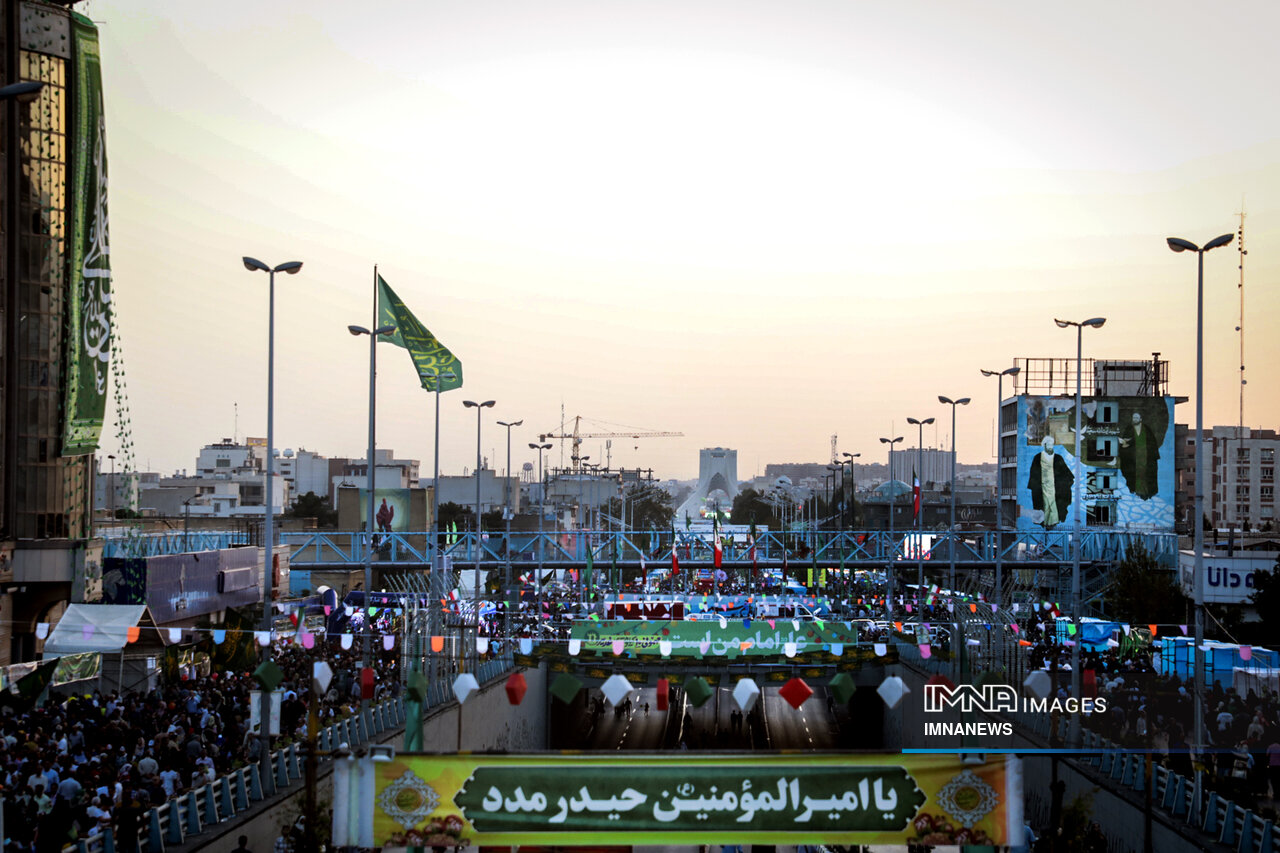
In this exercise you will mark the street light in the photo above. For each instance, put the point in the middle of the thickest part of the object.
(957, 640)
(367, 641)
(292, 268)
(831, 492)
(919, 520)
(893, 506)
(1177, 244)
(1000, 375)
(111, 498)
(507, 513)
(853, 490)
(1073, 734)
(542, 494)
(479, 407)
(963, 401)
(436, 580)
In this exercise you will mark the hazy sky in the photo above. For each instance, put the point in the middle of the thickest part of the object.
(759, 224)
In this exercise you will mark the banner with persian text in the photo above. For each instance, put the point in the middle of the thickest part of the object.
(767, 637)
(89, 309)
(452, 800)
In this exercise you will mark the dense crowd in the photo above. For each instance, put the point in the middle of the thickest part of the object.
(77, 762)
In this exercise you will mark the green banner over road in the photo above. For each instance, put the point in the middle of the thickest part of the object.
(669, 799)
(700, 638)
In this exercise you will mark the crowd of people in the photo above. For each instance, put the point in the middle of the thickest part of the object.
(78, 762)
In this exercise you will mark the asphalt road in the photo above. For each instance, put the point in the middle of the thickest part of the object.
(633, 729)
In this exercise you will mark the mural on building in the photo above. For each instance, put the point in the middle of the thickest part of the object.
(1126, 462)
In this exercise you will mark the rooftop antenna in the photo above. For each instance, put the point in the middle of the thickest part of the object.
(834, 455)
(235, 427)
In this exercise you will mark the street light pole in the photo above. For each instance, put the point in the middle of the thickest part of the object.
(1073, 732)
(919, 519)
(1177, 244)
(853, 489)
(506, 514)
(1000, 375)
(957, 636)
(542, 495)
(893, 547)
(111, 498)
(366, 644)
(479, 407)
(264, 717)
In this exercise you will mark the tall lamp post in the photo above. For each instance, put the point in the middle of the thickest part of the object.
(1177, 244)
(957, 636)
(479, 407)
(264, 717)
(1073, 732)
(435, 477)
(111, 497)
(506, 544)
(542, 494)
(893, 547)
(853, 482)
(951, 530)
(1000, 375)
(366, 643)
(919, 519)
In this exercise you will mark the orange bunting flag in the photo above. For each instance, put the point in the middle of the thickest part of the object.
(897, 626)
(133, 633)
(973, 608)
(437, 644)
(744, 645)
(1024, 642)
(1153, 629)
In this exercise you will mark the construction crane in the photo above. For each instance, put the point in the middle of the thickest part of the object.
(578, 435)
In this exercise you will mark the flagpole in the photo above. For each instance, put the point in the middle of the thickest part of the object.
(367, 644)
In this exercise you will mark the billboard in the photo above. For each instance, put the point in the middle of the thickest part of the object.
(390, 510)
(1227, 580)
(1126, 458)
(501, 800)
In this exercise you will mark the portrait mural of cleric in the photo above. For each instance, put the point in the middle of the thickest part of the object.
(1050, 481)
(1139, 456)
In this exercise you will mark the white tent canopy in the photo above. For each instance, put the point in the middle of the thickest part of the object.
(93, 628)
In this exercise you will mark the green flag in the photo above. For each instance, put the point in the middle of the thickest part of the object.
(430, 357)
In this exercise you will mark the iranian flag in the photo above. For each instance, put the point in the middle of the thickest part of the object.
(675, 554)
(915, 492)
(715, 541)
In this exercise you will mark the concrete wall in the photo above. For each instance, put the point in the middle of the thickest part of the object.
(491, 722)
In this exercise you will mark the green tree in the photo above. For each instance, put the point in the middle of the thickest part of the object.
(312, 505)
(750, 505)
(1266, 600)
(1141, 591)
(648, 506)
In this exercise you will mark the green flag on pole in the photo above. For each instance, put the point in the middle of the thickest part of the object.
(430, 357)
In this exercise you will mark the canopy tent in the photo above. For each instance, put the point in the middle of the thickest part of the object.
(93, 628)
(1257, 679)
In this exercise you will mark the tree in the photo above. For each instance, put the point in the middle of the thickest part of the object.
(648, 506)
(312, 505)
(1266, 598)
(1142, 592)
(750, 506)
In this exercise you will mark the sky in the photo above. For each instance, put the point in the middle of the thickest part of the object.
(759, 224)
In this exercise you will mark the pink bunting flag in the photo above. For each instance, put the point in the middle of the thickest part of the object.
(388, 641)
(308, 639)
(925, 651)
(1246, 653)
(618, 646)
(1014, 626)
(1184, 630)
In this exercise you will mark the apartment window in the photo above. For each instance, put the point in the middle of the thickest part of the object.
(1099, 515)
(1242, 510)
(1101, 481)
(1108, 413)
(1267, 494)
(1106, 447)
(1242, 492)
(1268, 474)
(223, 463)
(1268, 454)
(1242, 454)
(1242, 472)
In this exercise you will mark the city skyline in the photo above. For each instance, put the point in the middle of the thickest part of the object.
(754, 225)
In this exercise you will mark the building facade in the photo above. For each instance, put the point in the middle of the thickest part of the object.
(56, 317)
(1242, 490)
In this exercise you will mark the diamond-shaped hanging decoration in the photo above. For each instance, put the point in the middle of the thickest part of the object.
(891, 690)
(516, 687)
(565, 687)
(745, 693)
(615, 689)
(464, 685)
(795, 692)
(941, 679)
(269, 675)
(698, 691)
(1037, 684)
(842, 687)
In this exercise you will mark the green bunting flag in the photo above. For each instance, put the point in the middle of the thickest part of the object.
(430, 357)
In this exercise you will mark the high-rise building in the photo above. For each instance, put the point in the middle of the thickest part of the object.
(55, 305)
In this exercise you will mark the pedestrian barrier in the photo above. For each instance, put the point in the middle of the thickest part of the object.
(180, 818)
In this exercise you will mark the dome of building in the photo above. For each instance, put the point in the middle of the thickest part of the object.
(892, 489)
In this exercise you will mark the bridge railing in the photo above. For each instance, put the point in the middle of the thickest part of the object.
(828, 546)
